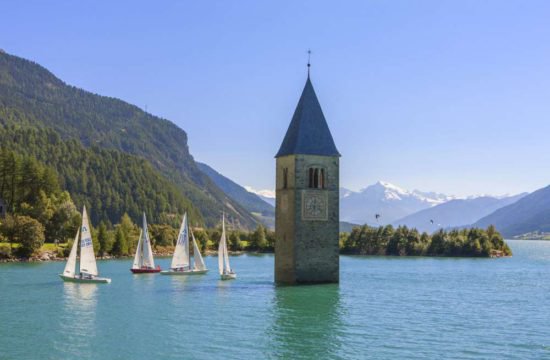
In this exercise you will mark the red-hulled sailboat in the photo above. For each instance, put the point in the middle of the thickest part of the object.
(143, 261)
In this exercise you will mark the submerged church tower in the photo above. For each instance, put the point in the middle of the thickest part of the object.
(307, 198)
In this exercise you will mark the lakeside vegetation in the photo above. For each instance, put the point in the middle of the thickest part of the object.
(121, 239)
(402, 241)
(41, 211)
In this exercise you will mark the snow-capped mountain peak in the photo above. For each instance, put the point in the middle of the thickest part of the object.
(265, 193)
(387, 200)
(392, 192)
(389, 187)
(344, 193)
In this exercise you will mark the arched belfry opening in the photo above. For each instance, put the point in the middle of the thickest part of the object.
(307, 198)
(316, 178)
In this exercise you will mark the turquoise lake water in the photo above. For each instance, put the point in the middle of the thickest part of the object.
(383, 308)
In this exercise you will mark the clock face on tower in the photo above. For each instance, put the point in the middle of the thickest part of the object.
(314, 205)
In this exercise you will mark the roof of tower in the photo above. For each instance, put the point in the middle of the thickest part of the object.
(308, 132)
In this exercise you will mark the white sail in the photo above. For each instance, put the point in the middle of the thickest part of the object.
(199, 262)
(223, 258)
(181, 253)
(87, 257)
(137, 258)
(70, 267)
(226, 257)
(220, 251)
(148, 260)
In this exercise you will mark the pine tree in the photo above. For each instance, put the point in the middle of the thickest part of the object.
(235, 241)
(120, 247)
(103, 239)
(130, 231)
(259, 241)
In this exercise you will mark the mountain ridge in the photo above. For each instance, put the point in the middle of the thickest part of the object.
(252, 202)
(31, 95)
(529, 214)
(455, 213)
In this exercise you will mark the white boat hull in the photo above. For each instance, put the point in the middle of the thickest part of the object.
(78, 279)
(185, 272)
(231, 276)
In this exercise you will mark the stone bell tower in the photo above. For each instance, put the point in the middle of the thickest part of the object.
(307, 198)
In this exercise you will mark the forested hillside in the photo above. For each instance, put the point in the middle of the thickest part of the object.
(108, 182)
(31, 96)
(37, 208)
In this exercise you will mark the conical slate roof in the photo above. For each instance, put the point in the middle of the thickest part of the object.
(308, 132)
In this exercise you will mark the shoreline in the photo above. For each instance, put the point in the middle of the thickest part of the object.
(47, 256)
(51, 256)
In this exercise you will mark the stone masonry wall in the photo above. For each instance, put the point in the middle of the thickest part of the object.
(284, 222)
(306, 250)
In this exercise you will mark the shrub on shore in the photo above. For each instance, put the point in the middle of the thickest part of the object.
(24, 230)
(5, 251)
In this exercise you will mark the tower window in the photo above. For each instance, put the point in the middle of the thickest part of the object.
(316, 178)
(285, 178)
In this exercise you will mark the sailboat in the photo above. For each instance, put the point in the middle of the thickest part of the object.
(143, 260)
(88, 268)
(226, 272)
(181, 261)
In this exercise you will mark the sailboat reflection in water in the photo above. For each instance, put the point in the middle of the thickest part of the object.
(77, 324)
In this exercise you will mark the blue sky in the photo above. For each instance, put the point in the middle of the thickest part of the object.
(448, 96)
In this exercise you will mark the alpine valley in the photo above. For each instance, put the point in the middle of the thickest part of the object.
(115, 158)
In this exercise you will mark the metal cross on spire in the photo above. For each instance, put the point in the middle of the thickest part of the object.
(308, 61)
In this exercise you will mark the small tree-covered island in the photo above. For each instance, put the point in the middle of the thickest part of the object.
(386, 240)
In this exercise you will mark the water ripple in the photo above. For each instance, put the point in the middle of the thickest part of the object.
(384, 308)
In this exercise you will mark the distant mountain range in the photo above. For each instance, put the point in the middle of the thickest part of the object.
(512, 215)
(266, 195)
(455, 213)
(387, 200)
(417, 208)
(531, 213)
